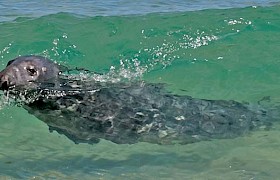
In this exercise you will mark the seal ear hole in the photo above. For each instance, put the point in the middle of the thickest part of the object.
(31, 71)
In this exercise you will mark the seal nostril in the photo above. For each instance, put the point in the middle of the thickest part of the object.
(4, 85)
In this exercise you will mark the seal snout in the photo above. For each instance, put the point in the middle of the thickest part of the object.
(4, 86)
(5, 83)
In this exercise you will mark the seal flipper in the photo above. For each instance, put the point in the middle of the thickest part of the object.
(72, 137)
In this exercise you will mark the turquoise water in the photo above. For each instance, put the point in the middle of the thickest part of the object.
(229, 50)
(13, 8)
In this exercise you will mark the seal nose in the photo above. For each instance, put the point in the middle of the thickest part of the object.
(4, 83)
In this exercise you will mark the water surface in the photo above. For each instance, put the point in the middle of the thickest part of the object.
(220, 50)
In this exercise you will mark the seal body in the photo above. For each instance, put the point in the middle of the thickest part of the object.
(87, 111)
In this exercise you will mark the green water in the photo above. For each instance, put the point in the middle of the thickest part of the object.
(210, 54)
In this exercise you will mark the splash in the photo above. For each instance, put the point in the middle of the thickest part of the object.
(162, 47)
(10, 98)
(5, 50)
(4, 101)
(62, 49)
(238, 21)
(174, 45)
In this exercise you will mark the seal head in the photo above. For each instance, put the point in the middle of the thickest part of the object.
(27, 71)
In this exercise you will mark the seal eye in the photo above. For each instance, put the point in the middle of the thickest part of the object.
(31, 71)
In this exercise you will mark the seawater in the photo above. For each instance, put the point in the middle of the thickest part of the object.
(230, 54)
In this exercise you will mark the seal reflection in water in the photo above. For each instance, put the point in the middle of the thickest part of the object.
(87, 111)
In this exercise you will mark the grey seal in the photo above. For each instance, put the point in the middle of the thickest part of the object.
(124, 112)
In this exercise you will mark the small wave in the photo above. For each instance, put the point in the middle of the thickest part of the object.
(11, 10)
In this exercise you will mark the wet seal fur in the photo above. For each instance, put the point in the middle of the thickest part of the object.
(87, 111)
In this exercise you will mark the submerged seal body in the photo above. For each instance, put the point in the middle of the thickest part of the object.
(87, 111)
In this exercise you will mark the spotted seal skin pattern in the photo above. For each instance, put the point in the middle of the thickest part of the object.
(87, 111)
